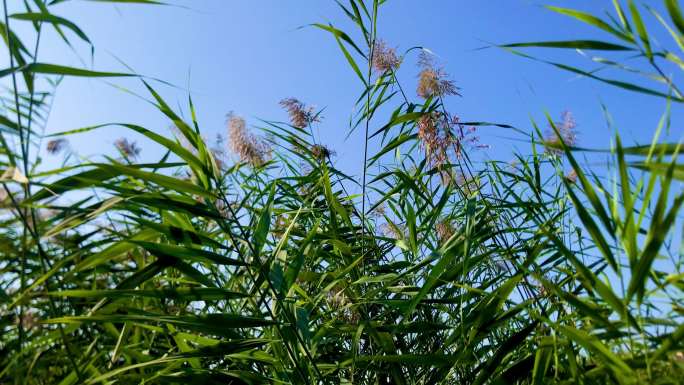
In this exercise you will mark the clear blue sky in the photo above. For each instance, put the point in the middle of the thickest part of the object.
(246, 55)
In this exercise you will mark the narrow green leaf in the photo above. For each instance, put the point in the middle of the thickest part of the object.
(592, 20)
(641, 29)
(55, 69)
(50, 18)
(675, 12)
(573, 44)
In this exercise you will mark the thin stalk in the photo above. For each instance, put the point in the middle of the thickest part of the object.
(20, 126)
(255, 255)
(367, 126)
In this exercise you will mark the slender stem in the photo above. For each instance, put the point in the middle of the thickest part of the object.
(29, 119)
(365, 142)
(255, 257)
(667, 78)
(22, 278)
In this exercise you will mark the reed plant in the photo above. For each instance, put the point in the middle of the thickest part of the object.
(250, 261)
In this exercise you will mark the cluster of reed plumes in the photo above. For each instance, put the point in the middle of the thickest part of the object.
(253, 260)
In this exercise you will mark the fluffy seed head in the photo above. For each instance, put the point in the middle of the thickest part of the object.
(567, 134)
(444, 230)
(446, 176)
(379, 211)
(226, 209)
(28, 320)
(300, 115)
(468, 184)
(542, 291)
(390, 230)
(56, 146)
(128, 149)
(384, 58)
(434, 141)
(441, 134)
(432, 80)
(248, 147)
(321, 152)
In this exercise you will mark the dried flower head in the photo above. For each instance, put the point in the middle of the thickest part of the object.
(432, 80)
(56, 146)
(226, 209)
(379, 211)
(542, 291)
(565, 133)
(500, 266)
(28, 320)
(128, 149)
(444, 230)
(446, 176)
(571, 176)
(468, 184)
(337, 300)
(249, 148)
(390, 230)
(440, 134)
(431, 139)
(384, 58)
(321, 152)
(300, 115)
(282, 222)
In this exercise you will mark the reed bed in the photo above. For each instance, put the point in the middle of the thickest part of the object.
(249, 262)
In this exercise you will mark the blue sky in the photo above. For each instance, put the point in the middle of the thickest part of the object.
(246, 55)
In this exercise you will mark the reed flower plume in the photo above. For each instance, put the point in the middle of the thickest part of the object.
(468, 184)
(391, 230)
(225, 208)
(434, 141)
(300, 115)
(321, 152)
(446, 176)
(28, 320)
(56, 146)
(441, 134)
(433, 81)
(248, 147)
(128, 148)
(379, 211)
(565, 132)
(444, 230)
(384, 58)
